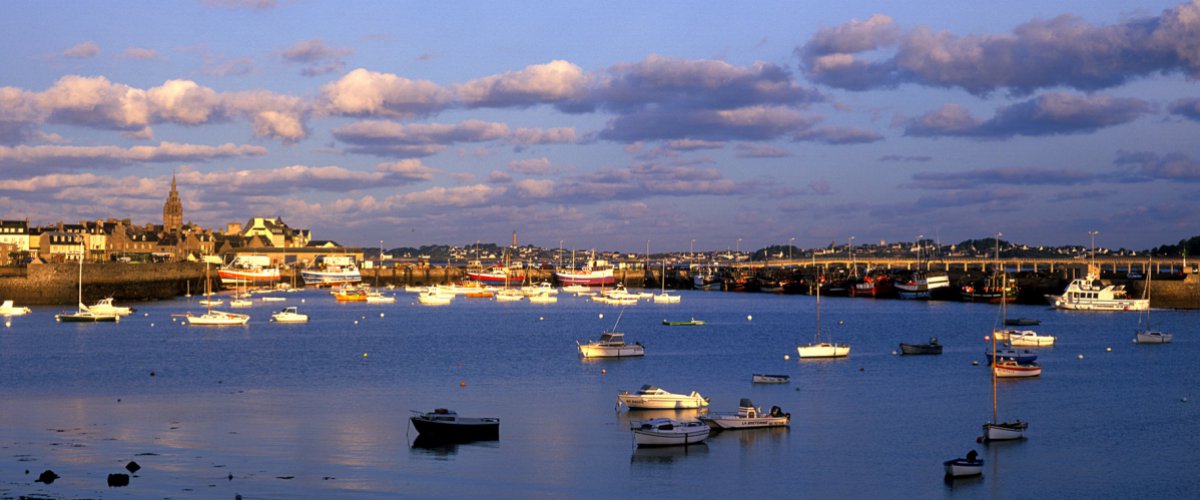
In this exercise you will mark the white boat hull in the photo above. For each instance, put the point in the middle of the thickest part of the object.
(432, 299)
(625, 351)
(664, 298)
(1003, 371)
(759, 378)
(662, 402)
(732, 421)
(218, 318)
(823, 350)
(1152, 337)
(681, 434)
(962, 468)
(1006, 431)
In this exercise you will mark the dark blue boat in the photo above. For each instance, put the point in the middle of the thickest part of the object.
(1022, 356)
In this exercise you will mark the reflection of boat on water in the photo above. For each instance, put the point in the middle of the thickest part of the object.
(667, 454)
(431, 446)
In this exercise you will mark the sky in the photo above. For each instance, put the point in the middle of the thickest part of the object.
(611, 125)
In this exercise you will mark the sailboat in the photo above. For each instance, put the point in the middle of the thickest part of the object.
(215, 318)
(819, 349)
(83, 314)
(507, 294)
(996, 430)
(1147, 335)
(663, 297)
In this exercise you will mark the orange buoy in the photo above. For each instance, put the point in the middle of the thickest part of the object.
(462, 383)
(603, 371)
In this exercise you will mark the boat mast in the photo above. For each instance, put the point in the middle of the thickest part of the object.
(1003, 317)
(82, 250)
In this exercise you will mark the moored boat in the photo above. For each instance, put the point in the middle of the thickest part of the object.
(8, 309)
(1007, 368)
(921, 285)
(289, 315)
(764, 378)
(1145, 334)
(1090, 294)
(818, 349)
(593, 273)
(1029, 338)
(964, 467)
(691, 322)
(933, 347)
(105, 306)
(444, 425)
(332, 270)
(747, 417)
(1020, 356)
(248, 270)
(610, 345)
(651, 397)
(669, 432)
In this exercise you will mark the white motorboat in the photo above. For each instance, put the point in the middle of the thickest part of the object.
(8, 309)
(575, 289)
(289, 315)
(273, 299)
(666, 298)
(539, 289)
(543, 298)
(964, 467)
(1089, 294)
(1028, 338)
(105, 306)
(747, 417)
(610, 345)
(651, 397)
(507, 295)
(241, 303)
(435, 298)
(763, 378)
(669, 432)
(374, 297)
(818, 349)
(211, 302)
(218, 318)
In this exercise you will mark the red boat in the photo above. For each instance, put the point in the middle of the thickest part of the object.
(496, 275)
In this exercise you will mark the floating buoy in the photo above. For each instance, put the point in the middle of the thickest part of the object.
(380, 315)
(840, 322)
(7, 323)
(147, 315)
(152, 373)
(1079, 356)
(786, 357)
(462, 383)
(861, 369)
(151, 325)
(541, 318)
(601, 315)
(1183, 400)
(987, 338)
(1107, 349)
(301, 301)
(749, 318)
(603, 371)
(356, 321)
(364, 354)
(893, 353)
(975, 363)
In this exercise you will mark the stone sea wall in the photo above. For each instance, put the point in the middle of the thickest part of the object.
(51, 284)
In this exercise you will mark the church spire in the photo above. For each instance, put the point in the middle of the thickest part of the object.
(173, 210)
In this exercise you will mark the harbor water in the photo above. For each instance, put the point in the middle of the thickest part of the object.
(320, 410)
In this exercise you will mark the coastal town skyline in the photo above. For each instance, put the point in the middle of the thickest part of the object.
(602, 126)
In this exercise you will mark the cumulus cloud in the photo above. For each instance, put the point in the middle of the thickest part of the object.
(460, 196)
(316, 57)
(388, 138)
(84, 50)
(1063, 51)
(287, 179)
(367, 93)
(1049, 114)
(537, 84)
(534, 136)
(408, 169)
(531, 166)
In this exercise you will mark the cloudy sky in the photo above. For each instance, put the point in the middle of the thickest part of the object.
(607, 124)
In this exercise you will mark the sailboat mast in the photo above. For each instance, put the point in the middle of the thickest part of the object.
(1003, 317)
(818, 311)
(82, 250)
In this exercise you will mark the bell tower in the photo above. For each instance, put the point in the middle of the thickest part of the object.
(173, 210)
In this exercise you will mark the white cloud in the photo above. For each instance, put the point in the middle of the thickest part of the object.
(367, 93)
(82, 51)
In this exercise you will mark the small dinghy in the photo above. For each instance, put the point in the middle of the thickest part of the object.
(964, 467)
(933, 347)
(446, 426)
(763, 378)
(669, 432)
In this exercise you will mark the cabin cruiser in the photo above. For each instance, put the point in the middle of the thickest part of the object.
(1089, 294)
(610, 345)
(651, 397)
(289, 315)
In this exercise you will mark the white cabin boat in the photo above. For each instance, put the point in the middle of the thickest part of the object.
(610, 345)
(1089, 294)
(669, 432)
(289, 315)
(8, 309)
(1029, 338)
(747, 417)
(543, 298)
(1007, 368)
(218, 318)
(374, 297)
(240, 303)
(507, 295)
(653, 398)
(666, 298)
(105, 306)
(435, 297)
(1152, 337)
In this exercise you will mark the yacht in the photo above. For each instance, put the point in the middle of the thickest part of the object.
(1090, 294)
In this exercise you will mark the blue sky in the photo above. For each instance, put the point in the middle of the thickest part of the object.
(608, 124)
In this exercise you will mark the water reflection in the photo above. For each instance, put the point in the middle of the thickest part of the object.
(627, 418)
(442, 449)
(751, 437)
(667, 454)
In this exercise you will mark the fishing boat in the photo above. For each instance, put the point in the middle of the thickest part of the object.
(593, 273)
(691, 322)
(211, 317)
(763, 378)
(610, 345)
(83, 314)
(818, 349)
(349, 294)
(653, 398)
(669, 432)
(1028, 338)
(248, 270)
(496, 275)
(1007, 368)
(1145, 334)
(106, 306)
(8, 309)
(747, 417)
(444, 425)
(921, 284)
(964, 467)
(933, 347)
(289, 315)
(873, 285)
(332, 270)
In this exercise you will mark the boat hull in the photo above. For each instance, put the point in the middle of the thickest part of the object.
(232, 277)
(592, 278)
(961, 467)
(1006, 431)
(461, 431)
(87, 318)
(671, 402)
(920, 349)
(823, 350)
(217, 318)
(733, 421)
(496, 278)
(326, 278)
(1007, 370)
(762, 378)
(679, 434)
(625, 351)
(1152, 337)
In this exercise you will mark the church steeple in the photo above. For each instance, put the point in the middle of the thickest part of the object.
(173, 210)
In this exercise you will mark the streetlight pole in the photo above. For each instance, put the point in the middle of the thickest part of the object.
(1093, 234)
(790, 241)
(739, 249)
(919, 245)
(853, 264)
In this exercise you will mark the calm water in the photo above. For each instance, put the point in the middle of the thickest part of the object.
(321, 409)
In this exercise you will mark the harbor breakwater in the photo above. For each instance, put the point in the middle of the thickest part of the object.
(58, 283)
